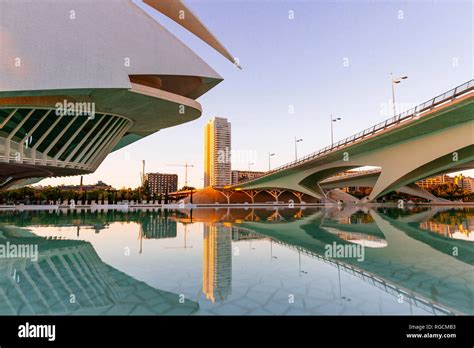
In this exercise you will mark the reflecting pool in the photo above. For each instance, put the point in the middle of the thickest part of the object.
(318, 261)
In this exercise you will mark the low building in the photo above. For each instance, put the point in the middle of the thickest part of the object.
(160, 183)
(244, 175)
(435, 181)
(467, 183)
(99, 186)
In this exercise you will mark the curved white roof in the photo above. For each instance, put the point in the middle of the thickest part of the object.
(88, 48)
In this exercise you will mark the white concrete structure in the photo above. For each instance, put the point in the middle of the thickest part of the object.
(435, 137)
(79, 79)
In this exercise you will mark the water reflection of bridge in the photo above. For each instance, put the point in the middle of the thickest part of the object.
(373, 280)
(306, 231)
(414, 259)
(70, 278)
(217, 267)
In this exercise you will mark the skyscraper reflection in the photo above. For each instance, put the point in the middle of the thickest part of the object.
(217, 262)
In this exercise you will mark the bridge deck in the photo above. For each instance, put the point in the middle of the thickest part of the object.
(390, 126)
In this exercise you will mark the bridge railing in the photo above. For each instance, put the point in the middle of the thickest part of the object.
(410, 114)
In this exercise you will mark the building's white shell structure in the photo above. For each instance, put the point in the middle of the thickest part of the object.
(112, 55)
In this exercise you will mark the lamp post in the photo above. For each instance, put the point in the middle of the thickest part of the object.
(296, 147)
(250, 164)
(395, 81)
(332, 128)
(270, 156)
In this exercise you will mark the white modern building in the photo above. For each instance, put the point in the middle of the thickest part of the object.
(79, 79)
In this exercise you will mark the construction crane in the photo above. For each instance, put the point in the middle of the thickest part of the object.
(186, 166)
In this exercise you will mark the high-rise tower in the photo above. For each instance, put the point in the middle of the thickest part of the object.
(217, 148)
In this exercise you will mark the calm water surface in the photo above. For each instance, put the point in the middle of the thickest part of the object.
(238, 261)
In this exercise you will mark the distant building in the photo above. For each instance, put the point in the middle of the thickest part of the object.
(244, 175)
(159, 228)
(435, 181)
(99, 186)
(466, 183)
(469, 184)
(160, 183)
(217, 148)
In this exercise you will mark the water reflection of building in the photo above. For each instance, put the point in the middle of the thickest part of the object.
(70, 278)
(217, 262)
(157, 227)
(457, 231)
(357, 218)
(239, 234)
(455, 224)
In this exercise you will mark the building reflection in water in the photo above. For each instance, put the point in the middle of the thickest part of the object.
(456, 224)
(401, 251)
(70, 278)
(157, 227)
(217, 261)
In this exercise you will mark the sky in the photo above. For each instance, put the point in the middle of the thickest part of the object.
(303, 61)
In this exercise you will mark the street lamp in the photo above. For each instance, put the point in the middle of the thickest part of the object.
(296, 148)
(269, 156)
(250, 164)
(395, 81)
(332, 128)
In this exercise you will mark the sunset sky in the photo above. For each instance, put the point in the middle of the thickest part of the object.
(333, 57)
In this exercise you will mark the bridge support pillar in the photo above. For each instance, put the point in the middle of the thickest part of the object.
(252, 216)
(276, 193)
(453, 147)
(252, 194)
(415, 190)
(339, 195)
(298, 195)
(276, 216)
(227, 194)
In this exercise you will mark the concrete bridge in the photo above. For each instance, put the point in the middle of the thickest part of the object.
(368, 178)
(433, 138)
